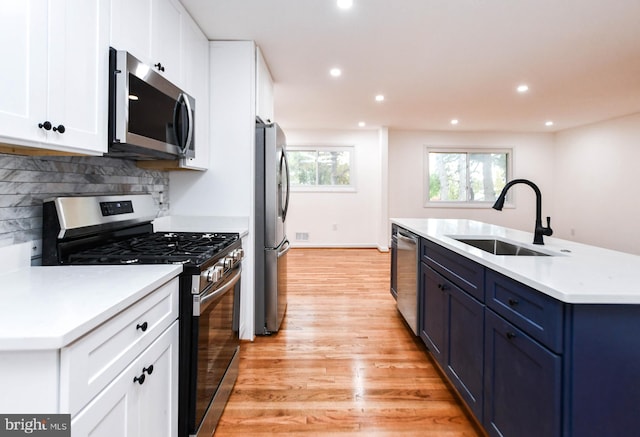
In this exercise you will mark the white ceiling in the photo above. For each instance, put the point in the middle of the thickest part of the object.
(435, 60)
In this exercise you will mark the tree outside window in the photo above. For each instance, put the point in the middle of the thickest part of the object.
(466, 176)
(324, 168)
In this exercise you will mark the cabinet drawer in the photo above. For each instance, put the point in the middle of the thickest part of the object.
(535, 313)
(92, 362)
(465, 273)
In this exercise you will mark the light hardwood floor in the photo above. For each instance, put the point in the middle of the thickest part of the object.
(343, 362)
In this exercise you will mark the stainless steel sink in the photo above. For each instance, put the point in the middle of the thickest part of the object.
(499, 247)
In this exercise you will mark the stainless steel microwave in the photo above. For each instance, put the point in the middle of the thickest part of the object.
(149, 117)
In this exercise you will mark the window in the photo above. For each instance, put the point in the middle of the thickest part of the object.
(321, 168)
(465, 177)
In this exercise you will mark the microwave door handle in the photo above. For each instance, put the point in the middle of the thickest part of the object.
(189, 124)
(178, 113)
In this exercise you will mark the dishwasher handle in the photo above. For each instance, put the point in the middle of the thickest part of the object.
(407, 238)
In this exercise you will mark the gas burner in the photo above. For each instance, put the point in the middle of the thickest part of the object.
(187, 248)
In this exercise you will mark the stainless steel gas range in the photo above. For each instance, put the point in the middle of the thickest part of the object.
(117, 229)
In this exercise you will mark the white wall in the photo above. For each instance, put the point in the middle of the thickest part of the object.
(226, 189)
(532, 159)
(596, 185)
(355, 214)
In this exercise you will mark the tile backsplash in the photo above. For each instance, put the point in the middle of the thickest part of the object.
(26, 180)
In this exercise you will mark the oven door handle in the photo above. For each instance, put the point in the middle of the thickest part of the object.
(200, 302)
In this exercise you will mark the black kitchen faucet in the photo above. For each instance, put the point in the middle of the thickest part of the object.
(540, 230)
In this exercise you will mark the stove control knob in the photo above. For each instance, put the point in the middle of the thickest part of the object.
(213, 274)
(238, 254)
(228, 262)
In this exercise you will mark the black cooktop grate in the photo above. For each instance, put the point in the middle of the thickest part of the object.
(158, 248)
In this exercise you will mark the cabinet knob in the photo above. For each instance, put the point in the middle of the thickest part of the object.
(149, 369)
(159, 66)
(139, 379)
(142, 326)
(511, 335)
(46, 125)
(60, 128)
(513, 302)
(443, 287)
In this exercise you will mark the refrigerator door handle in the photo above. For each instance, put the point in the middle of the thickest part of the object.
(284, 248)
(286, 172)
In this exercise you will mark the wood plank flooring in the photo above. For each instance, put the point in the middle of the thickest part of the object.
(343, 362)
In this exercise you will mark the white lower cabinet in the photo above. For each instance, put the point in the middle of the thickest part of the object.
(119, 378)
(142, 400)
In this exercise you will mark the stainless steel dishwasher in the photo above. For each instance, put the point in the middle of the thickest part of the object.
(404, 274)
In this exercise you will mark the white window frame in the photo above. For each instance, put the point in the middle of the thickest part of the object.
(328, 188)
(467, 150)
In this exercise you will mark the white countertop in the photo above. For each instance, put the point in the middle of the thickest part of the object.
(577, 273)
(178, 223)
(49, 307)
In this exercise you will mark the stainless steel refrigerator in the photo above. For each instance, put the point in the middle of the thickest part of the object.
(272, 245)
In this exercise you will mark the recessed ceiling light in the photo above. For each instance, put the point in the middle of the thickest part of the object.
(345, 4)
(379, 98)
(548, 123)
(523, 88)
(454, 121)
(362, 124)
(335, 72)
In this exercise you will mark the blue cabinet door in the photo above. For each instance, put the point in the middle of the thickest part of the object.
(465, 348)
(522, 383)
(434, 313)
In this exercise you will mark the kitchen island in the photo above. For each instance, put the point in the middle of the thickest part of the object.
(534, 345)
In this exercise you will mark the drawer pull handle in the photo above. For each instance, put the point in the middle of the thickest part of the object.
(142, 326)
(511, 335)
(139, 379)
(513, 302)
(149, 369)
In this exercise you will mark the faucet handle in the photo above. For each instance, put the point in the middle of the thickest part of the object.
(548, 231)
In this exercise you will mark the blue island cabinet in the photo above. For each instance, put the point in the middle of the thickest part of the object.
(527, 364)
(602, 365)
(452, 320)
(522, 383)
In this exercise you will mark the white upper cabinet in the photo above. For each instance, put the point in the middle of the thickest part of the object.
(131, 27)
(151, 31)
(195, 61)
(55, 75)
(264, 89)
(23, 77)
(165, 39)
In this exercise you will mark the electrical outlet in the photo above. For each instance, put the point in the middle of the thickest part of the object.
(36, 248)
